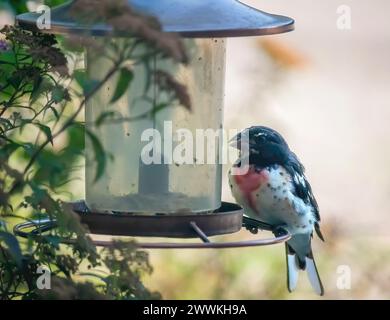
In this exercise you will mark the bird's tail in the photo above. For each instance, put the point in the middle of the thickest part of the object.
(295, 263)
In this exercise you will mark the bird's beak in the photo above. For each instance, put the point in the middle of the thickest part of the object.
(240, 142)
(234, 142)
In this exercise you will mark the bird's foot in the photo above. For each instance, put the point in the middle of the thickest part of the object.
(252, 229)
(279, 231)
(254, 226)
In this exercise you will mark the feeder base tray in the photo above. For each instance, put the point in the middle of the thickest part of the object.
(228, 219)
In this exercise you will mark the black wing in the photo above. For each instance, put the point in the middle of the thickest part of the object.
(303, 189)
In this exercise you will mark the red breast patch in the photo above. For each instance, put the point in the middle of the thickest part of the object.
(249, 181)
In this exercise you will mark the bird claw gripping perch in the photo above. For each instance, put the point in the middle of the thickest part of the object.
(279, 231)
(253, 226)
(251, 229)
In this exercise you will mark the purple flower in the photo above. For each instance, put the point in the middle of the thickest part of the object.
(3, 45)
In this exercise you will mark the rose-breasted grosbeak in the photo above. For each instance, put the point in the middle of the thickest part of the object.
(268, 181)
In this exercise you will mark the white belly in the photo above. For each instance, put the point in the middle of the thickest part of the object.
(275, 202)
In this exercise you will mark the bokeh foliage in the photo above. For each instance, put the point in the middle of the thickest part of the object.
(43, 92)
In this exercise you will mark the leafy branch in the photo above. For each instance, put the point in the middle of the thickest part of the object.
(40, 103)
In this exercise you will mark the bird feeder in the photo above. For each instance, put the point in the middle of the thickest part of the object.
(168, 199)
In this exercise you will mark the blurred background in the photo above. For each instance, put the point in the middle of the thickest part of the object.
(327, 91)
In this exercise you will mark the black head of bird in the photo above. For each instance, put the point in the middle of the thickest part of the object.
(263, 146)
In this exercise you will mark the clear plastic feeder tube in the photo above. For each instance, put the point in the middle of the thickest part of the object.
(178, 184)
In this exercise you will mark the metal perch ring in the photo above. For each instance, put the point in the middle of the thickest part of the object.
(46, 225)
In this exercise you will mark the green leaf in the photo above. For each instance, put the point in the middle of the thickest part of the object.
(7, 57)
(148, 73)
(76, 139)
(13, 245)
(103, 116)
(9, 148)
(6, 123)
(80, 77)
(16, 79)
(55, 112)
(53, 3)
(37, 89)
(46, 130)
(54, 240)
(159, 107)
(125, 78)
(86, 83)
(100, 155)
(28, 148)
(19, 6)
(58, 94)
(40, 86)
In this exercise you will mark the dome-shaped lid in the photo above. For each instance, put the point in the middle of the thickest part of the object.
(190, 18)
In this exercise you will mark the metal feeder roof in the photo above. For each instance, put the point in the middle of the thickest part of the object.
(190, 18)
